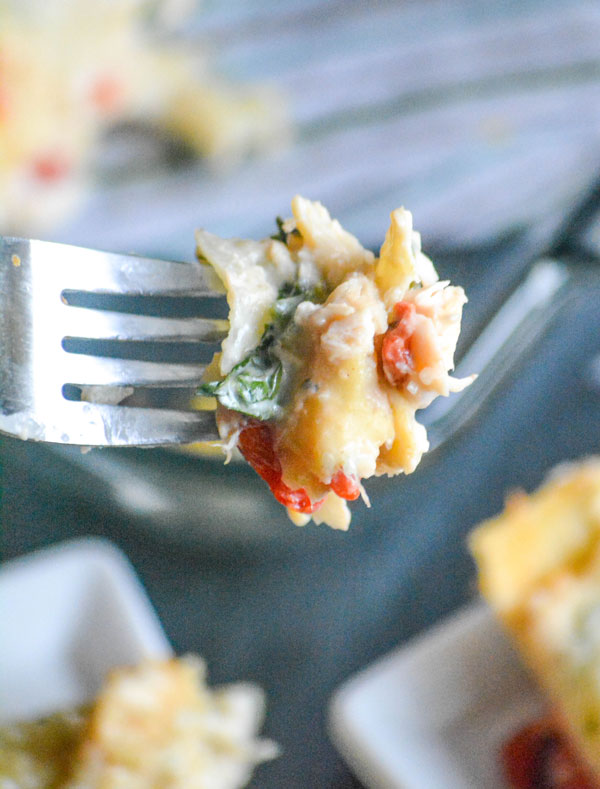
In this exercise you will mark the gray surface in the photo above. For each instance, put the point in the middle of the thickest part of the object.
(300, 621)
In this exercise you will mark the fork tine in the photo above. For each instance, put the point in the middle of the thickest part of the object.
(152, 426)
(87, 370)
(88, 424)
(108, 325)
(93, 271)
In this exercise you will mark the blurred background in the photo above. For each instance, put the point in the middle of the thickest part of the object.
(479, 118)
(124, 125)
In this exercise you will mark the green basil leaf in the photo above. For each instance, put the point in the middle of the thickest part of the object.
(210, 388)
(253, 386)
(280, 235)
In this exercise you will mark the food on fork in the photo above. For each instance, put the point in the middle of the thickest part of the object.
(330, 353)
(151, 726)
(71, 70)
(539, 568)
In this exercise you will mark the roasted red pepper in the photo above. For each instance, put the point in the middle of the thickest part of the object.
(345, 486)
(396, 357)
(540, 757)
(107, 94)
(51, 167)
(256, 443)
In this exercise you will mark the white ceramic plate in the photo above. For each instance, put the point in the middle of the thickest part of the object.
(433, 714)
(68, 614)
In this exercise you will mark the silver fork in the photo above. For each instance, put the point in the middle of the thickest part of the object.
(38, 326)
(42, 318)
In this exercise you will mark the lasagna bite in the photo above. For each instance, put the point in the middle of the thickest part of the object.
(330, 353)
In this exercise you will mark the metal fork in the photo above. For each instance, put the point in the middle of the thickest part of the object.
(41, 322)
(51, 298)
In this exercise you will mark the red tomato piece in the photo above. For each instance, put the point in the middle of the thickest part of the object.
(51, 167)
(540, 757)
(345, 486)
(107, 93)
(396, 357)
(256, 443)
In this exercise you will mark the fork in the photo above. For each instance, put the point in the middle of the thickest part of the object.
(47, 380)
(52, 390)
(58, 384)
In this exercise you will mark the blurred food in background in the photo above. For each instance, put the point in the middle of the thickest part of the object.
(539, 568)
(481, 120)
(154, 725)
(72, 69)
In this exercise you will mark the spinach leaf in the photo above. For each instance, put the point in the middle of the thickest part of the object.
(253, 386)
(281, 234)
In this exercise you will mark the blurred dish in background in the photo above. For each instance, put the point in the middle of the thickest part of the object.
(433, 714)
(71, 69)
(456, 707)
(152, 725)
(78, 615)
(478, 118)
(539, 567)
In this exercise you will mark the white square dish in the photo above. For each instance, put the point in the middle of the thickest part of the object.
(433, 714)
(68, 614)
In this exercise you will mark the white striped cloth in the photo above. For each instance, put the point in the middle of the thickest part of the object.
(476, 116)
